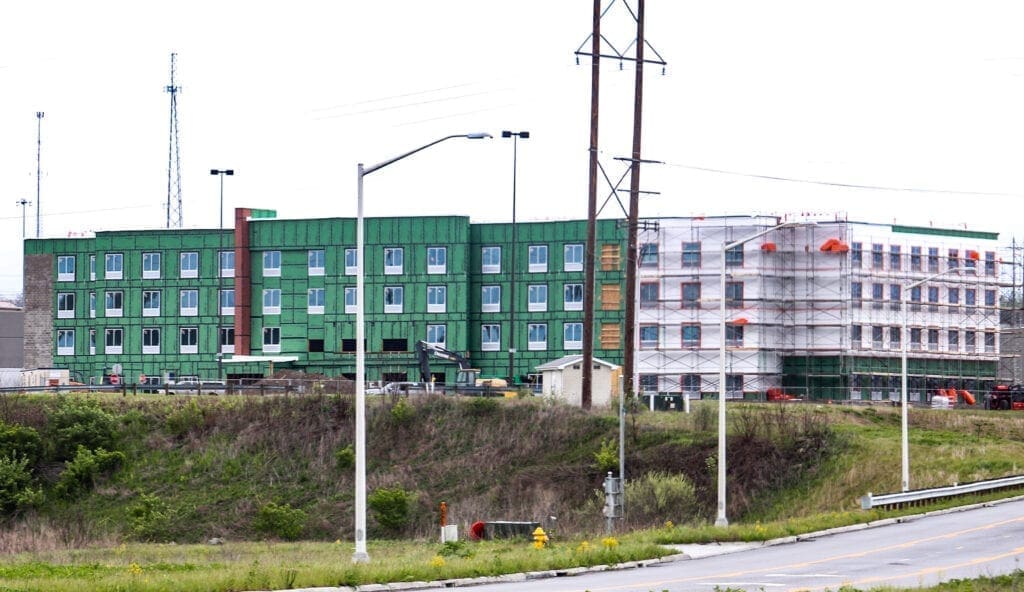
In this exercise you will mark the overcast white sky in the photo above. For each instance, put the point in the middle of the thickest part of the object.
(922, 95)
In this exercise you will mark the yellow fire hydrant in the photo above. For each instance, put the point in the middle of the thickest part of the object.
(540, 538)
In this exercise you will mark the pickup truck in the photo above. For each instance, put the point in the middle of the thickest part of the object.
(193, 385)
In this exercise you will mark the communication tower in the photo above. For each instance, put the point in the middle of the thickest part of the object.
(174, 216)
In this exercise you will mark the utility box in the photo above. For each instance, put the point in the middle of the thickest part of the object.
(449, 533)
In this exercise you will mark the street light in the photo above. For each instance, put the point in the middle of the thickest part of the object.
(904, 337)
(721, 520)
(220, 275)
(512, 307)
(360, 555)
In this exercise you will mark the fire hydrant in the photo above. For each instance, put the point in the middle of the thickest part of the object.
(540, 538)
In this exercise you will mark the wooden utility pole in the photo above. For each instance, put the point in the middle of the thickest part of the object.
(591, 249)
(632, 262)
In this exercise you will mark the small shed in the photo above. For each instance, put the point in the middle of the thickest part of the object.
(563, 379)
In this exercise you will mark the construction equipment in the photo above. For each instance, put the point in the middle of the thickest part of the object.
(1006, 396)
(467, 380)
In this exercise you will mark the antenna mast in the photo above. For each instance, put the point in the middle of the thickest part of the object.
(39, 151)
(174, 216)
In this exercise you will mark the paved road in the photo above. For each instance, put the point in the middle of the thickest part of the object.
(919, 552)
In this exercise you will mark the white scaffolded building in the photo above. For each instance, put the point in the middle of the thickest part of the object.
(814, 308)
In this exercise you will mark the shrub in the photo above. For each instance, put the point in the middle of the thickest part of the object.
(607, 457)
(281, 521)
(148, 518)
(391, 507)
(75, 423)
(402, 412)
(18, 441)
(345, 458)
(80, 474)
(657, 497)
(185, 419)
(482, 406)
(15, 484)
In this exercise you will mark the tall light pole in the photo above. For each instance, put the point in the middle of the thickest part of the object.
(512, 285)
(721, 519)
(360, 555)
(904, 337)
(23, 202)
(220, 276)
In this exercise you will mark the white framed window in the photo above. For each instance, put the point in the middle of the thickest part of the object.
(648, 336)
(272, 264)
(573, 257)
(151, 303)
(151, 266)
(572, 336)
(150, 340)
(113, 268)
(649, 255)
(113, 304)
(272, 301)
(315, 301)
(66, 268)
(113, 341)
(573, 297)
(490, 260)
(490, 337)
(538, 298)
(227, 264)
(538, 258)
(393, 260)
(490, 298)
(66, 305)
(189, 301)
(437, 259)
(188, 265)
(272, 340)
(188, 340)
(351, 261)
(437, 298)
(227, 340)
(92, 342)
(227, 302)
(436, 334)
(92, 305)
(317, 264)
(537, 336)
(65, 342)
(691, 254)
(393, 299)
(92, 268)
(351, 302)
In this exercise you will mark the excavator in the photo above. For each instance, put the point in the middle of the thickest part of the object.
(468, 379)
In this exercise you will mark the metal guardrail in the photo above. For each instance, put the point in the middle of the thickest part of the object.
(887, 500)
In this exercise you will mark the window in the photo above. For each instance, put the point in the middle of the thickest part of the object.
(915, 298)
(490, 260)
(691, 254)
(351, 261)
(895, 258)
(92, 305)
(351, 302)
(537, 298)
(953, 260)
(490, 337)
(877, 295)
(113, 341)
(990, 263)
(572, 336)
(970, 297)
(970, 259)
(877, 334)
(611, 296)
(227, 264)
(690, 294)
(734, 386)
(393, 260)
(272, 301)
(114, 304)
(990, 297)
(92, 268)
(189, 264)
(649, 255)
(436, 334)
(573, 257)
(915, 258)
(227, 340)
(856, 255)
(272, 264)
(894, 337)
(895, 295)
(66, 305)
(953, 340)
(649, 294)
(933, 339)
(648, 336)
(734, 257)
(92, 342)
(990, 341)
(150, 266)
(437, 298)
(648, 383)
(188, 340)
(610, 336)
(114, 267)
(437, 260)
(857, 294)
(537, 336)
(315, 301)
(970, 341)
(877, 256)
(915, 339)
(538, 258)
(691, 336)
(151, 303)
(856, 336)
(272, 340)
(691, 385)
(933, 259)
(65, 342)
(393, 299)
(954, 299)
(573, 296)
(490, 298)
(189, 303)
(316, 262)
(933, 298)
(227, 302)
(734, 335)
(150, 340)
(734, 295)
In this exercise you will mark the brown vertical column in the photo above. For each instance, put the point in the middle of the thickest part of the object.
(243, 283)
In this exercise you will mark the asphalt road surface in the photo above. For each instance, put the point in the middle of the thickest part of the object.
(920, 551)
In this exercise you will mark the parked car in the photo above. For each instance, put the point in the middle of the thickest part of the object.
(186, 385)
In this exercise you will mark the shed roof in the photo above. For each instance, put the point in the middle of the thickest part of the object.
(563, 363)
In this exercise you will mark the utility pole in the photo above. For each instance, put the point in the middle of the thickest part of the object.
(23, 202)
(590, 253)
(39, 152)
